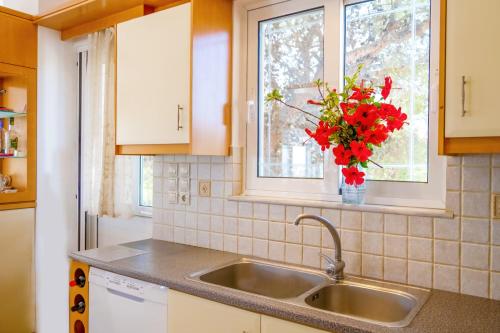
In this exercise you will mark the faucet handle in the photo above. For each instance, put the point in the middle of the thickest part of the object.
(329, 260)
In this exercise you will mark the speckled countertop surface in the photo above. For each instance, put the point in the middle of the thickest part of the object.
(168, 264)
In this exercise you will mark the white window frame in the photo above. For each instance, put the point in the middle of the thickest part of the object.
(139, 210)
(410, 194)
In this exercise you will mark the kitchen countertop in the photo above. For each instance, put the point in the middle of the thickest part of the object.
(168, 264)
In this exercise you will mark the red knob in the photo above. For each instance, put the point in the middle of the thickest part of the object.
(72, 283)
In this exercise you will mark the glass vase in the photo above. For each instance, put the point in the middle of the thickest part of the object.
(353, 194)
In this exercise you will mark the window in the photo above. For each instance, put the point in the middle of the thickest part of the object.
(293, 43)
(146, 181)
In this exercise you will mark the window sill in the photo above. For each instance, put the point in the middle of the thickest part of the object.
(413, 211)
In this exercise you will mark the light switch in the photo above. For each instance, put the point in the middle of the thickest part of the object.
(184, 185)
(172, 185)
(172, 170)
(172, 197)
(183, 170)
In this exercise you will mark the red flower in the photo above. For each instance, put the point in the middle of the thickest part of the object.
(386, 90)
(342, 156)
(353, 176)
(360, 150)
(375, 136)
(367, 114)
(313, 102)
(361, 93)
(322, 134)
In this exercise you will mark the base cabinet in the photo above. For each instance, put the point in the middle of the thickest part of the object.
(188, 314)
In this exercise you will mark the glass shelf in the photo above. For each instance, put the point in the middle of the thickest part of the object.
(4, 156)
(10, 114)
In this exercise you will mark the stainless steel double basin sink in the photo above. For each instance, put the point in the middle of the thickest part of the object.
(376, 302)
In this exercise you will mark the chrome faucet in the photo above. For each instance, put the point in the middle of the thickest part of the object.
(334, 268)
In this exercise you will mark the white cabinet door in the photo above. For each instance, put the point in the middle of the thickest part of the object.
(153, 78)
(273, 325)
(189, 314)
(473, 52)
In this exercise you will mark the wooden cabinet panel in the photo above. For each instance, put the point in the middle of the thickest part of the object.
(273, 325)
(18, 44)
(153, 78)
(189, 314)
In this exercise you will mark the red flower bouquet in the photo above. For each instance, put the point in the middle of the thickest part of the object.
(354, 121)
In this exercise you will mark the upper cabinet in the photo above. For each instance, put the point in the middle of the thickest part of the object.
(18, 44)
(153, 78)
(469, 113)
(174, 81)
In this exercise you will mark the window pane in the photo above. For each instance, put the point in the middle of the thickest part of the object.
(290, 59)
(146, 186)
(392, 37)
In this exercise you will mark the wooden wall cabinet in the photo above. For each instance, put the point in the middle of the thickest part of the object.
(18, 54)
(469, 113)
(174, 81)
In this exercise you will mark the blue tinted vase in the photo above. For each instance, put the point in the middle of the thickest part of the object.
(353, 194)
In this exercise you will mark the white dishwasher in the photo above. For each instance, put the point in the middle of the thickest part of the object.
(119, 304)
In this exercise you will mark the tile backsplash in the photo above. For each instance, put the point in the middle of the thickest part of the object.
(460, 254)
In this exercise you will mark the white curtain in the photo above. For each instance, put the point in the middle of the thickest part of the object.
(107, 178)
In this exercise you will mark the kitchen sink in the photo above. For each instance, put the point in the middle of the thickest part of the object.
(389, 307)
(264, 279)
(376, 302)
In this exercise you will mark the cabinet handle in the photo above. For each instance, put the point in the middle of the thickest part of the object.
(179, 109)
(464, 82)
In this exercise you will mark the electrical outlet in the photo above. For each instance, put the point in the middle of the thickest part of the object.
(184, 198)
(204, 188)
(496, 205)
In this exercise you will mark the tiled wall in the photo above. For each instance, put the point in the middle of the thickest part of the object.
(460, 254)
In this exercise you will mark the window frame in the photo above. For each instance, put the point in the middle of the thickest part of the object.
(411, 194)
(138, 208)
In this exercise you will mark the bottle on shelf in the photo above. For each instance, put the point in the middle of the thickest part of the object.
(5, 142)
(13, 138)
(79, 281)
(1, 137)
(79, 307)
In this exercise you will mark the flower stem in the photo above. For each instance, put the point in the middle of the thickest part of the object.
(381, 167)
(298, 109)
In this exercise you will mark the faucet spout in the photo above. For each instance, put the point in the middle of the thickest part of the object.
(335, 267)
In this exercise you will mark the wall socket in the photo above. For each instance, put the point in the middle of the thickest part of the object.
(204, 188)
(496, 205)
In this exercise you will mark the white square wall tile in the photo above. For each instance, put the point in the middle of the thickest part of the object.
(311, 211)
(216, 241)
(192, 220)
(351, 220)
(230, 225)
(476, 231)
(277, 231)
(217, 189)
(495, 232)
(326, 238)
(332, 215)
(230, 243)
(453, 202)
(311, 235)
(475, 256)
(476, 160)
(372, 266)
(293, 233)
(420, 273)
(277, 213)
(476, 179)
(495, 181)
(453, 178)
(420, 249)
(351, 240)
(277, 251)
(420, 226)
(245, 245)
(395, 270)
(260, 229)
(260, 248)
(203, 171)
(495, 258)
(476, 204)
(260, 211)
(373, 222)
(292, 212)
(395, 246)
(446, 278)
(474, 282)
(217, 206)
(446, 252)
(245, 209)
(203, 239)
(311, 256)
(352, 262)
(447, 229)
(395, 224)
(230, 208)
(204, 222)
(245, 227)
(373, 243)
(203, 205)
(454, 160)
(495, 286)
(293, 253)
(191, 237)
(217, 224)
(217, 172)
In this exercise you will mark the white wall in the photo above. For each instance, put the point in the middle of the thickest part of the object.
(26, 6)
(56, 216)
(46, 5)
